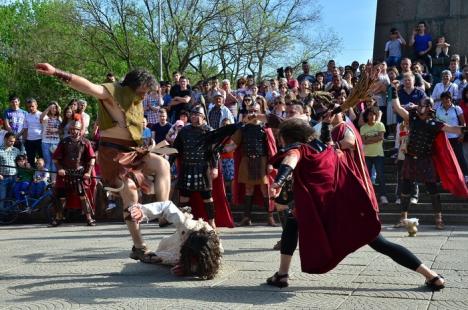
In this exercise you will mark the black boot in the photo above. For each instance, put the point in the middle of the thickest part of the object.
(246, 221)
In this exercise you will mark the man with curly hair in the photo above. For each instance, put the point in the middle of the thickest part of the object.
(193, 250)
(125, 165)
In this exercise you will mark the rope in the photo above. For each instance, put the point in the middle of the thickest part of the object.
(33, 169)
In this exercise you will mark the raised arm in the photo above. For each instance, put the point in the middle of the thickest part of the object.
(74, 81)
(397, 106)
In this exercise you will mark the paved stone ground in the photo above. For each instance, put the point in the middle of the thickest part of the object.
(77, 267)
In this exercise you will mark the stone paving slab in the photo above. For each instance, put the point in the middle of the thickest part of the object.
(80, 267)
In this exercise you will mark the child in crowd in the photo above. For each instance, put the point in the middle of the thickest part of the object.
(442, 48)
(146, 135)
(372, 133)
(40, 180)
(24, 177)
(403, 140)
(227, 164)
(393, 48)
(172, 134)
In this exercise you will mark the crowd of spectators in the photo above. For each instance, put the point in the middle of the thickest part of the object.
(167, 108)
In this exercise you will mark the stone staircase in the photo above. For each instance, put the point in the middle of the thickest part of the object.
(455, 210)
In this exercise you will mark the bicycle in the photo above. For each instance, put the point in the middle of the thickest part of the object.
(11, 209)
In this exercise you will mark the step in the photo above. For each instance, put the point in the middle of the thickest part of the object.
(424, 216)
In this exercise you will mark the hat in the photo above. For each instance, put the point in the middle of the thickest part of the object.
(179, 123)
(217, 94)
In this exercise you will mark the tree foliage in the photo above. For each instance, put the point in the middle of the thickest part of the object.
(202, 38)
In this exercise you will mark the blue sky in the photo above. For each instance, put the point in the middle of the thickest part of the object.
(354, 22)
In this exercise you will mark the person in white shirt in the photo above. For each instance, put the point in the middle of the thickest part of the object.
(452, 115)
(445, 86)
(33, 132)
(85, 118)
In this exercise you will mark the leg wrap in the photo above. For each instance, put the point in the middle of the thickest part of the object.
(266, 203)
(86, 207)
(248, 206)
(405, 202)
(436, 204)
(210, 209)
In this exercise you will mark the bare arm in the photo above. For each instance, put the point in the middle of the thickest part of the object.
(7, 125)
(399, 109)
(373, 139)
(452, 129)
(44, 114)
(402, 40)
(74, 81)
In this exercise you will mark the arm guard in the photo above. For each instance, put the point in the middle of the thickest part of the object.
(284, 171)
(325, 133)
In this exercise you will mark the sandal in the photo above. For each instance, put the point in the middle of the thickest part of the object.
(275, 280)
(55, 223)
(145, 256)
(91, 223)
(277, 246)
(440, 224)
(432, 283)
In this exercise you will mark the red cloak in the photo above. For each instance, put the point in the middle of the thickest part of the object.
(335, 214)
(238, 189)
(223, 216)
(355, 159)
(448, 169)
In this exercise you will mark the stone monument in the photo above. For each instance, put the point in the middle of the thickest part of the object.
(443, 17)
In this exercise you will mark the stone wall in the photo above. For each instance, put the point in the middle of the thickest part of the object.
(443, 17)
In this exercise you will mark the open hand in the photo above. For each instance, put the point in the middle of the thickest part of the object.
(136, 213)
(275, 190)
(214, 173)
(45, 68)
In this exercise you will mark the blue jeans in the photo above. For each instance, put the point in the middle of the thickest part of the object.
(47, 154)
(378, 163)
(5, 187)
(393, 61)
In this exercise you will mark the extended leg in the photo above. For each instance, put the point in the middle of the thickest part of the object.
(405, 258)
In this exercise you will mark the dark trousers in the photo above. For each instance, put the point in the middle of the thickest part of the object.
(378, 163)
(457, 147)
(396, 252)
(33, 150)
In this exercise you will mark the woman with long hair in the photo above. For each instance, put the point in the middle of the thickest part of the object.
(67, 120)
(50, 120)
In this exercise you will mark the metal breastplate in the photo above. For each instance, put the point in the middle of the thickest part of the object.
(194, 152)
(421, 137)
(254, 141)
(195, 160)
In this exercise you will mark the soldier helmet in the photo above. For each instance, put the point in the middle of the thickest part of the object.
(75, 125)
(198, 110)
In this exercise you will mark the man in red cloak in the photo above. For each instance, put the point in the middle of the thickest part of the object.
(254, 144)
(335, 212)
(429, 155)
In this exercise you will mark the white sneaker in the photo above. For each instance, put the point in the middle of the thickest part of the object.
(383, 200)
(413, 201)
(398, 201)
